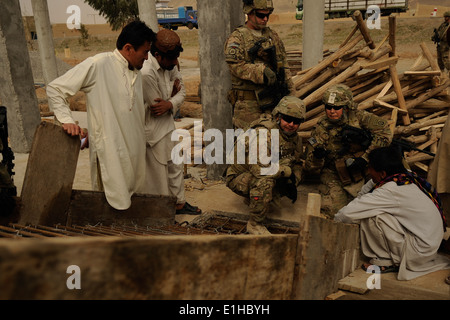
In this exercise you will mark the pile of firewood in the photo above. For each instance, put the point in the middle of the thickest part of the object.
(415, 102)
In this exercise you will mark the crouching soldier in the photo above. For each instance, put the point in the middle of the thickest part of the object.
(339, 147)
(262, 183)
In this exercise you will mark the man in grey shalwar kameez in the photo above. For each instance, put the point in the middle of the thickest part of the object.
(400, 217)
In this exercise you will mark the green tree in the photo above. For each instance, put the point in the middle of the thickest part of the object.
(84, 35)
(116, 12)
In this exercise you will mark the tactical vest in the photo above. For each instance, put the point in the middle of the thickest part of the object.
(250, 40)
(442, 31)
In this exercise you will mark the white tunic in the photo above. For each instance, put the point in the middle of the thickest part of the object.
(115, 116)
(162, 175)
(417, 220)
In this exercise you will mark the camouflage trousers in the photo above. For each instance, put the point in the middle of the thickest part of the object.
(258, 190)
(334, 194)
(443, 56)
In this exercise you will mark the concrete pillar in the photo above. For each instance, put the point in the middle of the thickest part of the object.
(313, 26)
(147, 13)
(215, 25)
(45, 40)
(17, 90)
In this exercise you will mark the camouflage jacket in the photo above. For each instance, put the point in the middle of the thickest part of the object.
(247, 70)
(5, 179)
(443, 32)
(290, 151)
(328, 135)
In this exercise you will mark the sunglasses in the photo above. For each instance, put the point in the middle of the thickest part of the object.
(290, 119)
(329, 107)
(262, 15)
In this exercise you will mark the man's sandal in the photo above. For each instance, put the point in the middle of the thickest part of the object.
(383, 269)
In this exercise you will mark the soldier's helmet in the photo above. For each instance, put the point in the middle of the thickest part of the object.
(339, 95)
(250, 5)
(290, 106)
(447, 14)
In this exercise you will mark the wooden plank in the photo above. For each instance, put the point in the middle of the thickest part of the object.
(399, 92)
(422, 73)
(48, 180)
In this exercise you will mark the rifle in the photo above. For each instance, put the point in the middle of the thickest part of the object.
(405, 145)
(352, 136)
(280, 88)
(435, 38)
(8, 155)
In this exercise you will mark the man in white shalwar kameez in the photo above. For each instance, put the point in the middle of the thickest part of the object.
(115, 113)
(400, 217)
(164, 93)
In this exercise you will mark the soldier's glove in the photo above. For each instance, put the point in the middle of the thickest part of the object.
(320, 153)
(287, 187)
(269, 77)
(358, 165)
(284, 171)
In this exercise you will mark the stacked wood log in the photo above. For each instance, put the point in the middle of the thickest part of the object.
(415, 102)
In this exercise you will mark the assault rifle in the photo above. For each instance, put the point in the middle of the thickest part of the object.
(355, 138)
(405, 145)
(8, 155)
(353, 135)
(435, 38)
(280, 88)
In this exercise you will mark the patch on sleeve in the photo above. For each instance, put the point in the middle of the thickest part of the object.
(312, 141)
(234, 45)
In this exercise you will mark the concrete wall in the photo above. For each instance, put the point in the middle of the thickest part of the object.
(160, 267)
(183, 267)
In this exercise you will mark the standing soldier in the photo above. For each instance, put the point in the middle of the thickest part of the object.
(260, 188)
(441, 38)
(257, 60)
(7, 188)
(339, 146)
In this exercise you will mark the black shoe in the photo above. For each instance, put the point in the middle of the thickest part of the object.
(189, 209)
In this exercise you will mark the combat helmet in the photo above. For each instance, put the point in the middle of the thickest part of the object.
(250, 5)
(339, 95)
(290, 106)
(447, 14)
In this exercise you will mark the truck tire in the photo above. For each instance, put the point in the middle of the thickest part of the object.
(190, 25)
(166, 26)
(174, 27)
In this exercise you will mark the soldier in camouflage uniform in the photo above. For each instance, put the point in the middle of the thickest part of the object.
(338, 151)
(443, 46)
(260, 189)
(7, 189)
(251, 52)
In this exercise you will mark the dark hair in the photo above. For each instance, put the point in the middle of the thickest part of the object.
(135, 33)
(388, 159)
